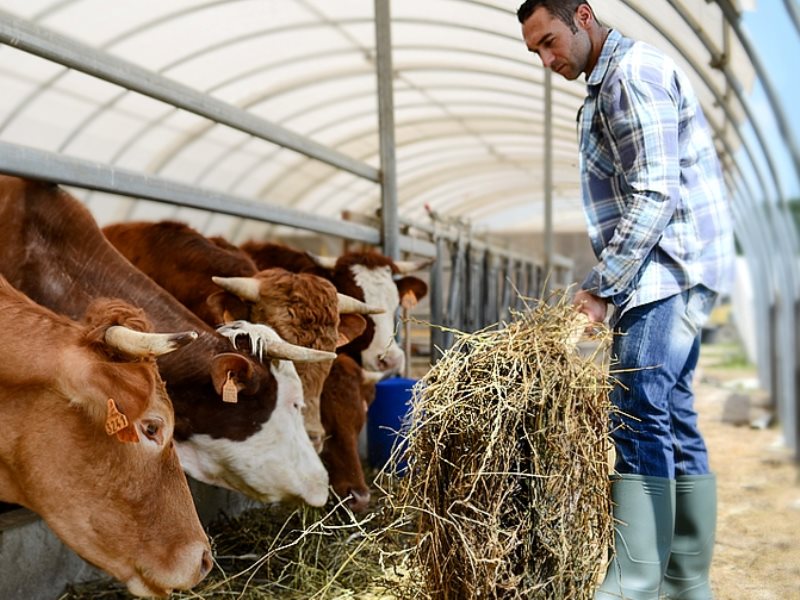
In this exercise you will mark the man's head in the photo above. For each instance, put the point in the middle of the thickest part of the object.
(564, 33)
(561, 9)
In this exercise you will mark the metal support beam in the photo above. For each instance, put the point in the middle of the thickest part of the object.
(794, 12)
(39, 164)
(437, 300)
(26, 36)
(734, 18)
(383, 60)
(549, 247)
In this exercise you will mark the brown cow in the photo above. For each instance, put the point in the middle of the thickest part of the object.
(370, 277)
(86, 441)
(301, 308)
(53, 251)
(346, 397)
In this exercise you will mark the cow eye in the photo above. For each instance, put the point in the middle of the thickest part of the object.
(152, 429)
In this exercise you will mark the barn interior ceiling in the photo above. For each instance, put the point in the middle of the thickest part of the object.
(469, 110)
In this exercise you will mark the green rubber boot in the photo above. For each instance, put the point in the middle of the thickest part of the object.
(693, 540)
(644, 511)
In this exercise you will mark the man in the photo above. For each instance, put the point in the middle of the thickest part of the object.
(660, 227)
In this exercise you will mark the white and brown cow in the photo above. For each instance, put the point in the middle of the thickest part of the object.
(378, 281)
(368, 276)
(303, 309)
(86, 441)
(53, 251)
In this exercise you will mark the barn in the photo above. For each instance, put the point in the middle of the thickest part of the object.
(421, 130)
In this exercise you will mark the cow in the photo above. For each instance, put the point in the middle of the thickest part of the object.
(346, 397)
(54, 252)
(303, 309)
(368, 276)
(86, 430)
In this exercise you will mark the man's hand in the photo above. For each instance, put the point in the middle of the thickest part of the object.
(594, 307)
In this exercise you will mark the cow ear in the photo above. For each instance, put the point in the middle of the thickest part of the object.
(413, 286)
(229, 366)
(225, 308)
(118, 424)
(350, 327)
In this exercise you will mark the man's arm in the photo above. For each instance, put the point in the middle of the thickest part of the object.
(643, 123)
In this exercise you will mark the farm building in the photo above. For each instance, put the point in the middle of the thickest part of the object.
(422, 130)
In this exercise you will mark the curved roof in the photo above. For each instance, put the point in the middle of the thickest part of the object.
(468, 101)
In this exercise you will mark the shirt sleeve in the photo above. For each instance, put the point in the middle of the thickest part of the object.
(641, 119)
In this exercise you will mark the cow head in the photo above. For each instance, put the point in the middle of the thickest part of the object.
(269, 457)
(376, 280)
(304, 310)
(90, 429)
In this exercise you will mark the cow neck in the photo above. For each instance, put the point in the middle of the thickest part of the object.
(85, 266)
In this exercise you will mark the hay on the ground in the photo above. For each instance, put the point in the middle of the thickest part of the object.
(291, 553)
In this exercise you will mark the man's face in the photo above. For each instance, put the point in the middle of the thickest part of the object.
(560, 50)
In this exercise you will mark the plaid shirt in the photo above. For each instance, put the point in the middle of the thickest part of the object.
(653, 192)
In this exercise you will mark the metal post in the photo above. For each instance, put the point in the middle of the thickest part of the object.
(455, 302)
(796, 442)
(506, 279)
(489, 315)
(437, 299)
(548, 177)
(383, 59)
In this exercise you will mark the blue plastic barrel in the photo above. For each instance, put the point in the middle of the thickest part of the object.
(386, 417)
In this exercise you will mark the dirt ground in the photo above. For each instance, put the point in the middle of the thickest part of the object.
(757, 552)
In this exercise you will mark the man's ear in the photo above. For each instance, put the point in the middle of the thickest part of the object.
(584, 16)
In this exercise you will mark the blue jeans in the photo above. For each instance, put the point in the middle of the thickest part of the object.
(654, 355)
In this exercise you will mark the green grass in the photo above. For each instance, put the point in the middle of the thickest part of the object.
(727, 355)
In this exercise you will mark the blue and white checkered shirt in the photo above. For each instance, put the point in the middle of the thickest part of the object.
(653, 192)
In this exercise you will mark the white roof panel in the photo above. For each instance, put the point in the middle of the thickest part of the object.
(468, 100)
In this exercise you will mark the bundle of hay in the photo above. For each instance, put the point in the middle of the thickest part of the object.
(507, 474)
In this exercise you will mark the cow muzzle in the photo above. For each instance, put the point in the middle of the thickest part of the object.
(199, 563)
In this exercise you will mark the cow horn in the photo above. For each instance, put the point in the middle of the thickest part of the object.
(326, 262)
(287, 351)
(409, 266)
(350, 305)
(138, 343)
(246, 288)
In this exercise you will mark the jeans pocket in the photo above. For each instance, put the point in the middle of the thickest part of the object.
(699, 304)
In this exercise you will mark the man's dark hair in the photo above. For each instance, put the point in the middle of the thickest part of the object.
(561, 9)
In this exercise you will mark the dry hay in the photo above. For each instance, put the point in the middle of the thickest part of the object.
(285, 553)
(507, 474)
(504, 493)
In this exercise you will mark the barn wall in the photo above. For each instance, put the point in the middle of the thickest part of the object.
(34, 564)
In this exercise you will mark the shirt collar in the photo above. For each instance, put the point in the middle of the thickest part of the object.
(600, 69)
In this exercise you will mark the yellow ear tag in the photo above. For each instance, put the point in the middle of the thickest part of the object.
(115, 420)
(230, 393)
